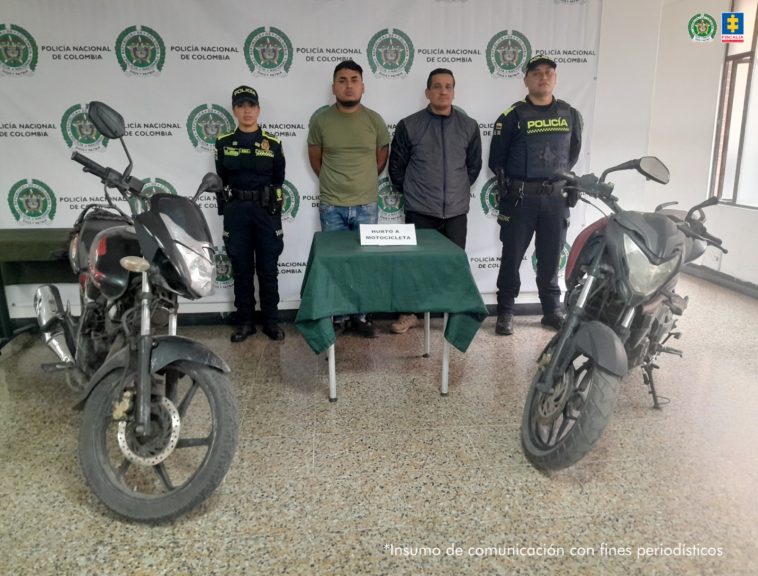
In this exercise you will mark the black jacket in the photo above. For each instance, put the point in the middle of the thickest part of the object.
(434, 160)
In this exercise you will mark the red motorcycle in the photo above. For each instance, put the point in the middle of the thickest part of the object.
(621, 312)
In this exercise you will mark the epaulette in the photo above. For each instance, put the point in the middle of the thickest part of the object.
(509, 110)
(270, 136)
(220, 136)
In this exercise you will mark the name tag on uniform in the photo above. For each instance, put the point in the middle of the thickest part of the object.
(388, 235)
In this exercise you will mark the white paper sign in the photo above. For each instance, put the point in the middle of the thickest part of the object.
(388, 235)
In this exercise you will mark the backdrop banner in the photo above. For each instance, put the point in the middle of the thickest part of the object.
(169, 68)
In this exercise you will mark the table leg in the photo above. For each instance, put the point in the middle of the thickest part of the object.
(427, 332)
(445, 358)
(332, 375)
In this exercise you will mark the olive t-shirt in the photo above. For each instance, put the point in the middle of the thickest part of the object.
(349, 142)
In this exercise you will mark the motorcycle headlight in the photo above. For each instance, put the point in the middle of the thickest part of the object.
(644, 276)
(202, 269)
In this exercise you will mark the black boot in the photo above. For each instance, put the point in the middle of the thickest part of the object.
(273, 331)
(553, 320)
(242, 331)
(504, 325)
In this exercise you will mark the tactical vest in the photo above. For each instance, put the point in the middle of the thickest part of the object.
(543, 143)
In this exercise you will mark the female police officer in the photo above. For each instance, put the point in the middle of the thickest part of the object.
(251, 164)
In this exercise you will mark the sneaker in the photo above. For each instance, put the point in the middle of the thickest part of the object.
(404, 323)
(242, 331)
(504, 325)
(553, 320)
(363, 327)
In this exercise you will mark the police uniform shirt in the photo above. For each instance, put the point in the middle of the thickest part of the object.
(533, 142)
(249, 160)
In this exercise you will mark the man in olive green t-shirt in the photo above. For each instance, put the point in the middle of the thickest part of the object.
(348, 145)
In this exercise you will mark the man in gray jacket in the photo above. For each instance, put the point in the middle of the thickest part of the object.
(435, 157)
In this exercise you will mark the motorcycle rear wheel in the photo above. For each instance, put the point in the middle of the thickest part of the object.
(158, 479)
(559, 429)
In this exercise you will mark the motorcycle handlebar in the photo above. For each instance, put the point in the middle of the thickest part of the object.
(89, 165)
(110, 177)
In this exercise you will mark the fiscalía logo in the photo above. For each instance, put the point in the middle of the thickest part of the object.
(391, 202)
(140, 51)
(224, 272)
(268, 52)
(732, 27)
(18, 51)
(79, 132)
(32, 202)
(702, 27)
(291, 201)
(490, 198)
(507, 54)
(561, 263)
(156, 185)
(206, 123)
(390, 53)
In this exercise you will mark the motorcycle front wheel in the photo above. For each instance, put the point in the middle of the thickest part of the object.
(560, 428)
(158, 477)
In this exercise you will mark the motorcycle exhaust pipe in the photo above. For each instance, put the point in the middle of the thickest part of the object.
(48, 307)
(49, 311)
(57, 343)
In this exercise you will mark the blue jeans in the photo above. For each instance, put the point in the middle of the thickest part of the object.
(340, 218)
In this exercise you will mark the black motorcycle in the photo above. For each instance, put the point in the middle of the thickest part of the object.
(159, 427)
(621, 312)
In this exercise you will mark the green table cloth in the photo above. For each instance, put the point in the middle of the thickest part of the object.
(343, 277)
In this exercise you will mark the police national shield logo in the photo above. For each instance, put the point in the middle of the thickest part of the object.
(390, 53)
(391, 202)
(32, 202)
(206, 123)
(268, 52)
(78, 132)
(18, 51)
(290, 201)
(507, 54)
(224, 272)
(140, 51)
(157, 185)
(702, 28)
(490, 198)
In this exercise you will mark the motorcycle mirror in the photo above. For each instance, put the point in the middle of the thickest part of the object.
(211, 182)
(654, 169)
(108, 122)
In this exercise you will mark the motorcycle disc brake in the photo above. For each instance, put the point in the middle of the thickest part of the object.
(551, 405)
(157, 449)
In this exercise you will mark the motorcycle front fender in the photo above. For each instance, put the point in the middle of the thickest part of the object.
(166, 349)
(597, 341)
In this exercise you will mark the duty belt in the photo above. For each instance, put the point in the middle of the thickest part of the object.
(255, 195)
(534, 187)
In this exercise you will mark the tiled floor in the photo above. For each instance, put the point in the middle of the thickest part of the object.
(394, 479)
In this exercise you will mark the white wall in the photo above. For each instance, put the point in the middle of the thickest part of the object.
(657, 93)
(625, 85)
(684, 108)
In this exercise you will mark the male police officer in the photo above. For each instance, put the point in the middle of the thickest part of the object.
(251, 164)
(532, 141)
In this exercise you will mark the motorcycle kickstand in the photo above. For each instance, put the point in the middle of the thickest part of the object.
(647, 378)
